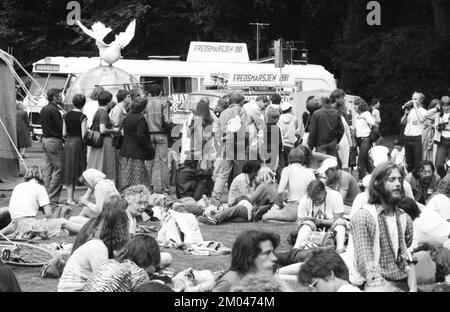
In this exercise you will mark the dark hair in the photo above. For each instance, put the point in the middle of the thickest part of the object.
(96, 92)
(410, 206)
(275, 99)
(52, 93)
(114, 233)
(443, 187)
(361, 105)
(138, 104)
(379, 177)
(153, 286)
(441, 257)
(79, 100)
(155, 89)
(203, 111)
(135, 93)
(296, 155)
(397, 142)
(320, 264)
(336, 94)
(262, 98)
(246, 249)
(424, 163)
(236, 98)
(374, 102)
(313, 105)
(309, 98)
(142, 250)
(104, 98)
(251, 166)
(307, 160)
(121, 95)
(315, 187)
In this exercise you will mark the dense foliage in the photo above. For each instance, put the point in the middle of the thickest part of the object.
(408, 51)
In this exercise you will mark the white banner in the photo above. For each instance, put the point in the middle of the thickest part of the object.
(217, 52)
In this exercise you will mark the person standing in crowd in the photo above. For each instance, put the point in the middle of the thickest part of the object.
(257, 122)
(92, 105)
(321, 208)
(102, 158)
(442, 136)
(413, 119)
(157, 120)
(398, 155)
(252, 252)
(375, 109)
(312, 104)
(326, 129)
(272, 147)
(136, 147)
(325, 271)
(291, 132)
(117, 116)
(295, 178)
(52, 124)
(423, 181)
(307, 114)
(74, 128)
(275, 101)
(363, 124)
(232, 151)
(23, 129)
(341, 181)
(381, 228)
(337, 98)
(440, 200)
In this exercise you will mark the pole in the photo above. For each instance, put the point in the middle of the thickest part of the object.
(258, 25)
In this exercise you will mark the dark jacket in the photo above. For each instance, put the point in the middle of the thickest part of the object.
(325, 127)
(51, 121)
(136, 138)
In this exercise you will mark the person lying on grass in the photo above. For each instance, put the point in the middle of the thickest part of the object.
(26, 200)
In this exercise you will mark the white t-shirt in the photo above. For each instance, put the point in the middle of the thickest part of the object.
(446, 132)
(333, 204)
(441, 204)
(26, 199)
(391, 222)
(413, 126)
(89, 110)
(363, 122)
(296, 179)
(398, 157)
(430, 228)
(348, 288)
(85, 260)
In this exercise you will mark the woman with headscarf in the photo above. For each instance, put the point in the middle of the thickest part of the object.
(23, 132)
(101, 187)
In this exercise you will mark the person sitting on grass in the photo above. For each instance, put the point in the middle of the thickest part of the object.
(247, 204)
(325, 271)
(101, 187)
(252, 252)
(321, 208)
(129, 269)
(26, 200)
(88, 257)
(295, 178)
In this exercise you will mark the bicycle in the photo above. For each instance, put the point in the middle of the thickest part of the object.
(23, 254)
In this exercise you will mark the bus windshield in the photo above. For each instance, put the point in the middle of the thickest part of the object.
(41, 79)
(48, 81)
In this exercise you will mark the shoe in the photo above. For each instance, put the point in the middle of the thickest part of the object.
(206, 220)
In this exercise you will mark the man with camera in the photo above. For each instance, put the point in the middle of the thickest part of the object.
(414, 119)
(442, 136)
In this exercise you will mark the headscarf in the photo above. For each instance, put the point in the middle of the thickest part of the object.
(92, 176)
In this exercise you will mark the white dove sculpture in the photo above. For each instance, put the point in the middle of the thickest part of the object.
(110, 53)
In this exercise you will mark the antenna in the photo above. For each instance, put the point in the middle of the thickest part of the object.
(258, 25)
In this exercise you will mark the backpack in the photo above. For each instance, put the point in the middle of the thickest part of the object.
(235, 123)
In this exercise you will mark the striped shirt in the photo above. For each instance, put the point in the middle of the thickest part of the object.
(115, 276)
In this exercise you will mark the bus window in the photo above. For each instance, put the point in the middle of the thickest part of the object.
(41, 79)
(195, 84)
(181, 84)
(56, 81)
(146, 82)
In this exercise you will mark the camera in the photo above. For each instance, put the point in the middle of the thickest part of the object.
(441, 126)
(408, 105)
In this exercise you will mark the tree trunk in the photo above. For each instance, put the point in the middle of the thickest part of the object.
(441, 12)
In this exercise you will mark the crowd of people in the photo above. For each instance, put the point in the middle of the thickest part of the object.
(386, 228)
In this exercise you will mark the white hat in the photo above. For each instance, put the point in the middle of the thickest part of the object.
(327, 164)
(285, 106)
(448, 163)
(366, 180)
(379, 154)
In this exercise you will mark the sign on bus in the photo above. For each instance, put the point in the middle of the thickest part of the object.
(224, 52)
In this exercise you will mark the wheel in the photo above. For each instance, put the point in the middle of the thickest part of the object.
(24, 255)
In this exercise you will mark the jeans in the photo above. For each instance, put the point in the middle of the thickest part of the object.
(159, 166)
(54, 167)
(283, 161)
(442, 154)
(413, 151)
(364, 164)
(330, 149)
(225, 173)
(233, 214)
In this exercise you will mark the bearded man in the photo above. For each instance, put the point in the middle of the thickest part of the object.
(380, 235)
(423, 181)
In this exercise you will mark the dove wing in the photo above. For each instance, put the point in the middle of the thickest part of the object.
(98, 32)
(124, 38)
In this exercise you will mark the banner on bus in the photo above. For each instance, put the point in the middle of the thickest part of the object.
(251, 79)
(225, 52)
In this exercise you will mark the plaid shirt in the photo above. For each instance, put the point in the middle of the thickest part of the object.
(362, 229)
